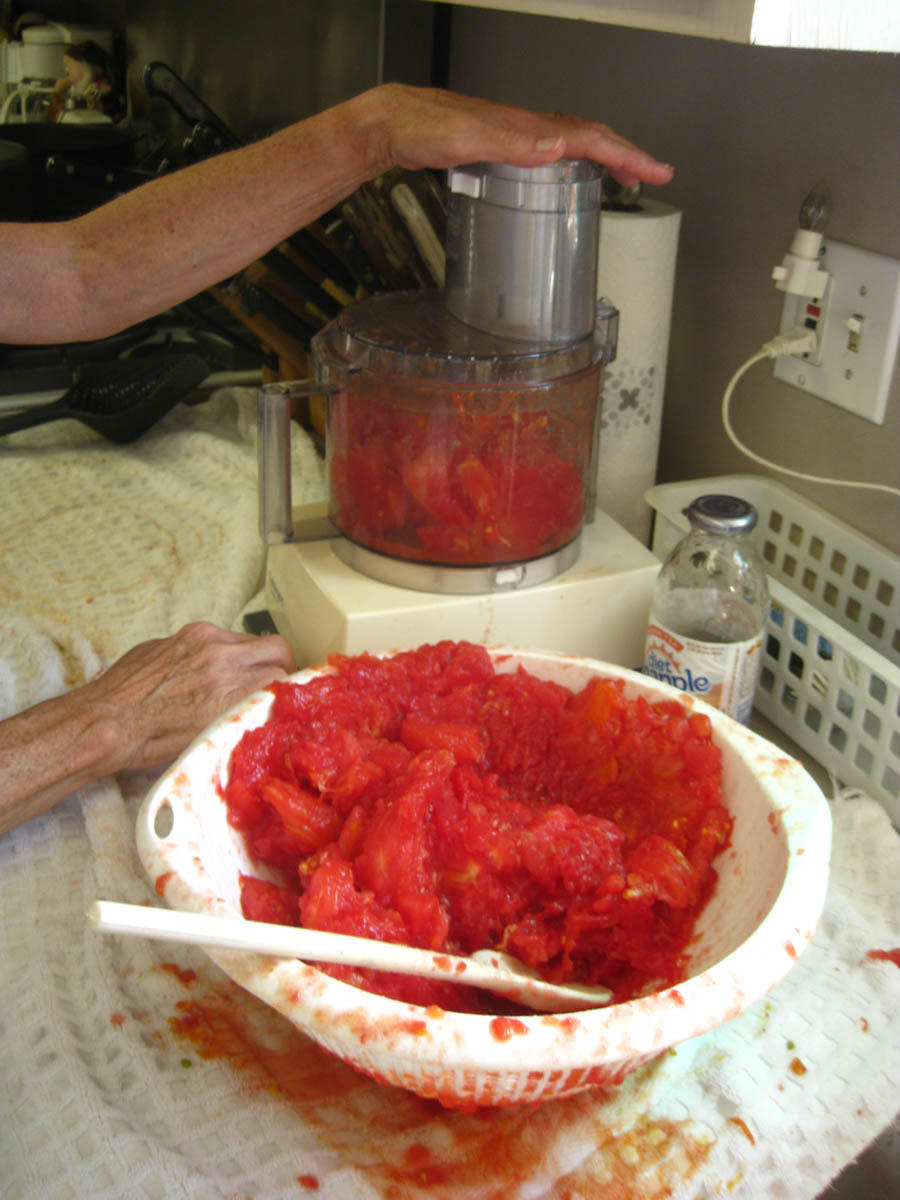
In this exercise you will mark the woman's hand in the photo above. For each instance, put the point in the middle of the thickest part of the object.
(424, 127)
(146, 709)
(163, 693)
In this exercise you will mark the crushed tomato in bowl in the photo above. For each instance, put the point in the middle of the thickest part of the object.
(426, 799)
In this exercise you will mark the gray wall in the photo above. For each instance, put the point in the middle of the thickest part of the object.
(749, 131)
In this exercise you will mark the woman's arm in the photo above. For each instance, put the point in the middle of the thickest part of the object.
(142, 712)
(169, 239)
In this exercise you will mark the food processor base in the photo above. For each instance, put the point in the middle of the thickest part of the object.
(597, 608)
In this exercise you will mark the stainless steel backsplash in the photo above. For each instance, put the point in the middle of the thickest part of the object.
(259, 64)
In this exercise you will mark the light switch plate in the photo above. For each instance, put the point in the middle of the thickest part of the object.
(858, 320)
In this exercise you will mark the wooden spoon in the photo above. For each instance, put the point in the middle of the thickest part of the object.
(490, 969)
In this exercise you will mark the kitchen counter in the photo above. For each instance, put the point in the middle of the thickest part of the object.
(140, 1061)
(138, 1070)
(876, 1173)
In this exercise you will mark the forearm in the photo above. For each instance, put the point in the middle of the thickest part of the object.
(226, 212)
(50, 751)
(170, 238)
(140, 713)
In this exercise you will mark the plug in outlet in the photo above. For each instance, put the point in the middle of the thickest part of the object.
(858, 322)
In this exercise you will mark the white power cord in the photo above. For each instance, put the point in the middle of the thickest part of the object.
(793, 341)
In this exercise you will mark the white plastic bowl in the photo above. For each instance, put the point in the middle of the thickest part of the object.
(768, 899)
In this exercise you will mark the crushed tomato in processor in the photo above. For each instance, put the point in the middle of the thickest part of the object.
(427, 799)
(460, 486)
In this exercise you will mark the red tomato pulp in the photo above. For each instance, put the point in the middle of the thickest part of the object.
(460, 486)
(426, 799)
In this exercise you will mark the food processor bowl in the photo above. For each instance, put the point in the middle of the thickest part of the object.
(446, 447)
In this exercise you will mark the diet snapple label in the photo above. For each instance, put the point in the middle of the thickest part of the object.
(721, 673)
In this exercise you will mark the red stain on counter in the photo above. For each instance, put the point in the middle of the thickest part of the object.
(744, 1128)
(419, 1167)
(408, 1148)
(886, 956)
(185, 975)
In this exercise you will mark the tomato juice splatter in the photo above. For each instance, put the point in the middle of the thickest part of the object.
(426, 799)
(503, 1028)
(744, 1128)
(885, 956)
(162, 882)
(407, 1148)
(185, 975)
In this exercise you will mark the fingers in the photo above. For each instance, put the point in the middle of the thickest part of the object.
(433, 128)
(221, 666)
(247, 649)
(628, 164)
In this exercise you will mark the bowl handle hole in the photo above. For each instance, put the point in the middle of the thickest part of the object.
(163, 820)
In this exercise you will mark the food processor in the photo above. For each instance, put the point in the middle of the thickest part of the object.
(461, 446)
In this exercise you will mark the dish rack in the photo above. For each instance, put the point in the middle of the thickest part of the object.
(830, 676)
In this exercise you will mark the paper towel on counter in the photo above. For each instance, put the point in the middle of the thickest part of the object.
(636, 272)
(136, 1068)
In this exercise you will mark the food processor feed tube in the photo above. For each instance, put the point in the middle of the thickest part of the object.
(522, 249)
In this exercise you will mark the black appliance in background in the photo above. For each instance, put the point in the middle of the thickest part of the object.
(54, 171)
(15, 182)
(199, 327)
(40, 196)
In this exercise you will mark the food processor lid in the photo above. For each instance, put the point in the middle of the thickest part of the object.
(563, 186)
(413, 335)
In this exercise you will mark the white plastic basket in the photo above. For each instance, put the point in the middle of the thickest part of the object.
(830, 677)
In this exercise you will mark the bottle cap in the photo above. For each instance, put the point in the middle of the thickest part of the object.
(722, 514)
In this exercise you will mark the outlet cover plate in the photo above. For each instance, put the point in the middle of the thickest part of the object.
(859, 325)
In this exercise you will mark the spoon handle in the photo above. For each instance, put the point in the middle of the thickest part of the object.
(314, 945)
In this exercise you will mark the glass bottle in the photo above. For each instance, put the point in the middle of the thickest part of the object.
(709, 608)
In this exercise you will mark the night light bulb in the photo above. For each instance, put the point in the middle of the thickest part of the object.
(815, 211)
(799, 272)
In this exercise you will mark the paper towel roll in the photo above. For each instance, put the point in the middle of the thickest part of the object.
(636, 272)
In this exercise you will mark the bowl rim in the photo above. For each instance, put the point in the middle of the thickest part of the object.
(635, 1029)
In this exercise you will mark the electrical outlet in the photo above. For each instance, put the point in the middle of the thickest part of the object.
(858, 322)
